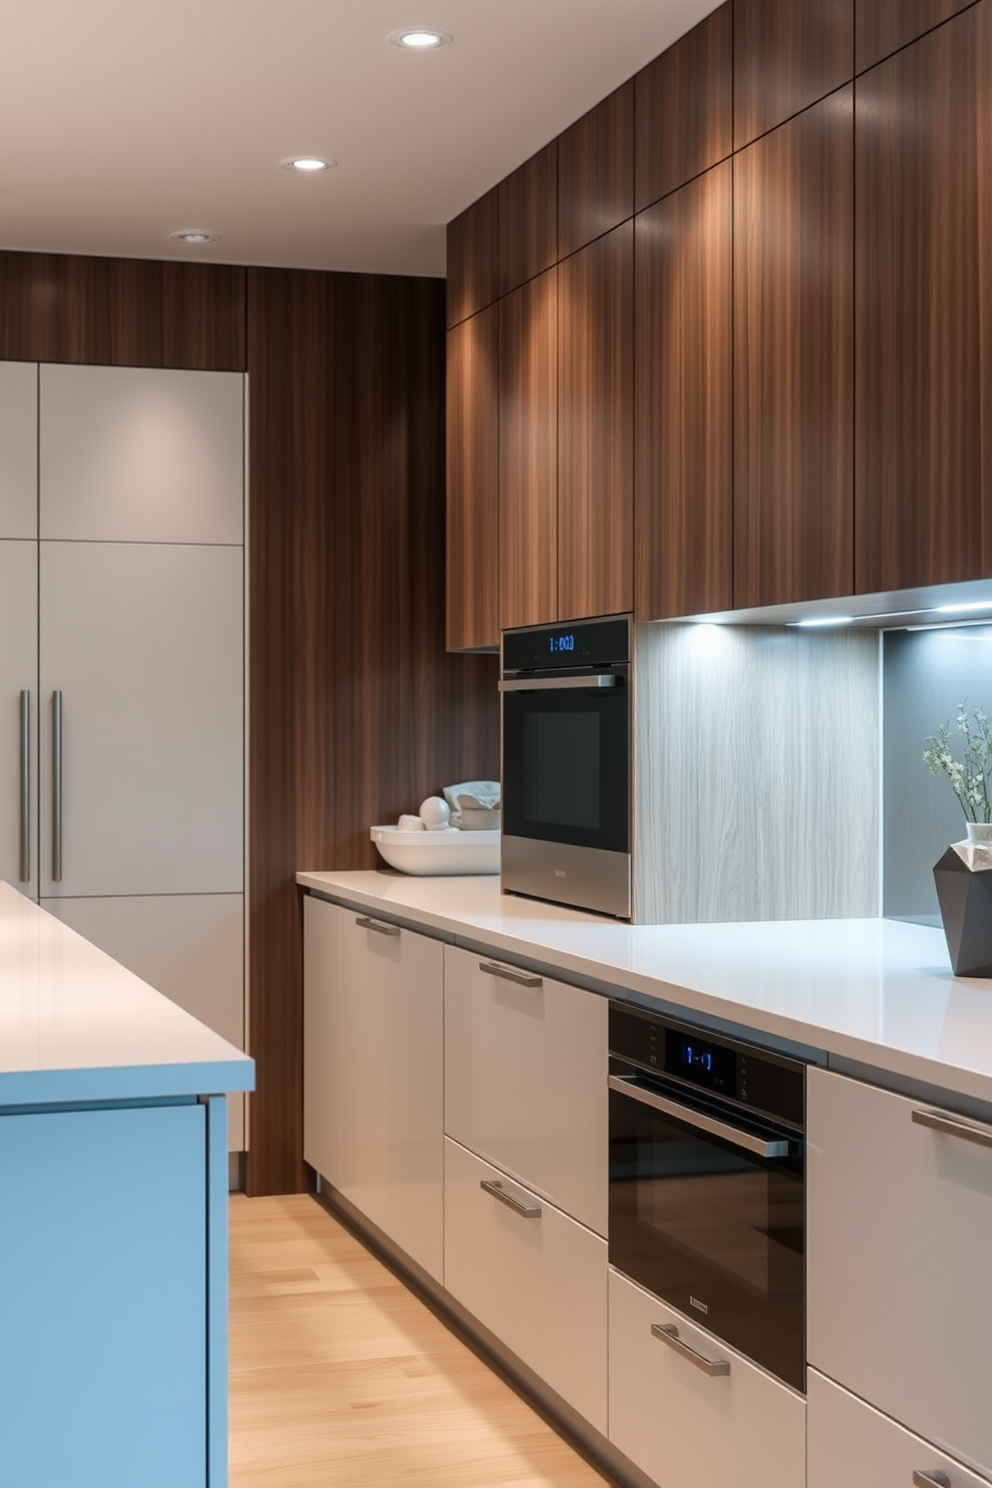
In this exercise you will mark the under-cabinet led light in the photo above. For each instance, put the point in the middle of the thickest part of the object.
(420, 39)
(822, 622)
(964, 609)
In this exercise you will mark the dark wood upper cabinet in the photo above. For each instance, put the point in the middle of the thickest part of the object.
(473, 253)
(923, 369)
(472, 549)
(122, 312)
(787, 54)
(683, 433)
(793, 359)
(528, 461)
(596, 171)
(683, 109)
(528, 219)
(595, 427)
(881, 27)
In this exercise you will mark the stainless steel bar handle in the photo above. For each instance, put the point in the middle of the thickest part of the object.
(25, 786)
(494, 1187)
(519, 978)
(376, 925)
(668, 1333)
(933, 1479)
(711, 1124)
(951, 1126)
(57, 787)
(548, 684)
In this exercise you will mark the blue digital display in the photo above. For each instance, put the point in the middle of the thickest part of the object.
(561, 643)
(702, 1058)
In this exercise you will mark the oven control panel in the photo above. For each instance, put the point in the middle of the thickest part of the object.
(756, 1079)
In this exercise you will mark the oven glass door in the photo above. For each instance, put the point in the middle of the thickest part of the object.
(712, 1228)
(566, 765)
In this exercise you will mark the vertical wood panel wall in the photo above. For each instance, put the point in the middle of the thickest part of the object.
(356, 710)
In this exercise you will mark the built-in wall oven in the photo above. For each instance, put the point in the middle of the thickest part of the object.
(566, 711)
(707, 1183)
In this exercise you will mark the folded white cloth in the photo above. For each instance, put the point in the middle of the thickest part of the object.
(473, 795)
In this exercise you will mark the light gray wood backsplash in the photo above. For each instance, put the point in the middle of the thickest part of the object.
(756, 774)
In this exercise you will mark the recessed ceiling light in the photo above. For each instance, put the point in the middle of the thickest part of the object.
(195, 237)
(307, 165)
(420, 39)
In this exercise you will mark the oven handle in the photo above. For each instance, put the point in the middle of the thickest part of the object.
(546, 684)
(626, 1085)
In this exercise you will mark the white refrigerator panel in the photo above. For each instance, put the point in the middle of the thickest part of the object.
(188, 946)
(134, 454)
(18, 449)
(145, 644)
(18, 674)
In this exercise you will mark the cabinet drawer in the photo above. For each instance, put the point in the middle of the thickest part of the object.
(538, 1283)
(853, 1444)
(525, 1081)
(899, 1239)
(682, 1426)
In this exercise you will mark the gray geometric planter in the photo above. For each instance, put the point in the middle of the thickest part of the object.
(963, 878)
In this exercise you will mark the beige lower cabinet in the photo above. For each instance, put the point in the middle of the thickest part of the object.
(854, 1444)
(525, 1069)
(899, 1245)
(684, 1427)
(530, 1274)
(373, 1093)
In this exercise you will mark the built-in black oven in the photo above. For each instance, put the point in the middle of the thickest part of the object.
(566, 764)
(707, 1182)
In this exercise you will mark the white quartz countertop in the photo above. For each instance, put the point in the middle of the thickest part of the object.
(874, 992)
(75, 1026)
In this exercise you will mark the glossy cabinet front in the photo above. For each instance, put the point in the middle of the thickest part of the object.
(683, 1425)
(899, 1238)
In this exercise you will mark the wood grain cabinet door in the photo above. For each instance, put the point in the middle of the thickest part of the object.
(923, 347)
(595, 428)
(683, 109)
(793, 359)
(472, 549)
(881, 27)
(528, 468)
(596, 171)
(787, 55)
(528, 219)
(473, 249)
(683, 436)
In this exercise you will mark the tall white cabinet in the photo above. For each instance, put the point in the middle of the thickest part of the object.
(122, 607)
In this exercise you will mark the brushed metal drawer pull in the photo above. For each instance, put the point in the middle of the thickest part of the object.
(376, 925)
(527, 1211)
(931, 1479)
(25, 786)
(520, 978)
(952, 1127)
(57, 786)
(668, 1333)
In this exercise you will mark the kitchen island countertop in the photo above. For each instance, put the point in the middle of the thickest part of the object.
(76, 1026)
(872, 992)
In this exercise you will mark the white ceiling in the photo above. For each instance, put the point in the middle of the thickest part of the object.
(124, 120)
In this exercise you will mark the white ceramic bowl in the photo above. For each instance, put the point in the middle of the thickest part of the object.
(431, 854)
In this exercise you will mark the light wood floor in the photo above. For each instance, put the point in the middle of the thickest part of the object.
(340, 1376)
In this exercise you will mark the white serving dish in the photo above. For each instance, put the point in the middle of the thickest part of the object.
(430, 854)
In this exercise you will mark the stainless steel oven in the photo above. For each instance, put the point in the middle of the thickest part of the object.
(707, 1182)
(566, 764)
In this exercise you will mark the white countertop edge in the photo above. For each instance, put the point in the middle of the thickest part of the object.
(915, 986)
